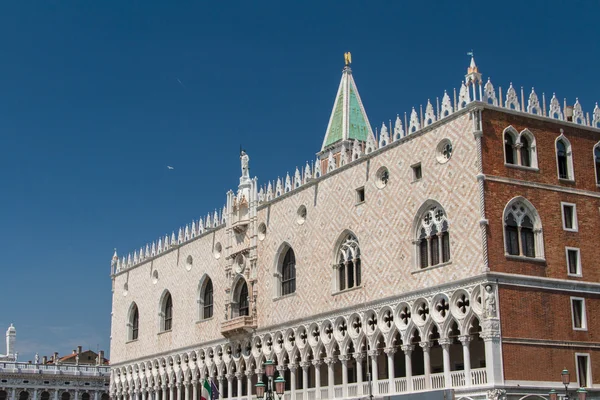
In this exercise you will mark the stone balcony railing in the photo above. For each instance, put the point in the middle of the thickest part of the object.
(60, 369)
(238, 325)
(385, 387)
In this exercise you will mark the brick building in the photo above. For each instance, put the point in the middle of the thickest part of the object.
(453, 251)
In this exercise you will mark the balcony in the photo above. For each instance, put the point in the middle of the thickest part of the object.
(238, 326)
(384, 387)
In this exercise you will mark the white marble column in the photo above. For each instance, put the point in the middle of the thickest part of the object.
(465, 340)
(239, 376)
(445, 343)
(493, 358)
(426, 346)
(55, 394)
(344, 361)
(293, 368)
(359, 357)
(164, 392)
(305, 365)
(330, 361)
(374, 372)
(194, 389)
(220, 378)
(178, 386)
(230, 385)
(408, 349)
(390, 351)
(249, 374)
(317, 364)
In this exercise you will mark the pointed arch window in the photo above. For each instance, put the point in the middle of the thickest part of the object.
(564, 158)
(166, 313)
(597, 162)
(520, 148)
(134, 322)
(205, 298)
(433, 237)
(288, 273)
(243, 300)
(509, 148)
(348, 263)
(522, 230)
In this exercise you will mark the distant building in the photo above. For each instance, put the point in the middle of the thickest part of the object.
(82, 375)
(454, 249)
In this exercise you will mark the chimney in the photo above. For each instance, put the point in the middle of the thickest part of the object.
(569, 113)
(55, 357)
(101, 357)
(45, 360)
(79, 349)
(74, 351)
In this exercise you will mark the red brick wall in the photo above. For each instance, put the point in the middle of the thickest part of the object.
(545, 132)
(547, 202)
(539, 314)
(544, 363)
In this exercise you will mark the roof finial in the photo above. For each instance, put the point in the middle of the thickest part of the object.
(348, 58)
(472, 66)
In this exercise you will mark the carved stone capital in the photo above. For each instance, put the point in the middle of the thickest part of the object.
(317, 363)
(390, 351)
(407, 348)
(293, 367)
(465, 339)
(445, 343)
(359, 356)
(426, 346)
(373, 353)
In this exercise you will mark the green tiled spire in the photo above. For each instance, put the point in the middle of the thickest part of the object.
(348, 118)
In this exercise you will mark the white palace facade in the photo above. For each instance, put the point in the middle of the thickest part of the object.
(371, 261)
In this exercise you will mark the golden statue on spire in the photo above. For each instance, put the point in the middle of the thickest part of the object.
(348, 58)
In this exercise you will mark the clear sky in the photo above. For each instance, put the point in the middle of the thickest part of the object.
(97, 98)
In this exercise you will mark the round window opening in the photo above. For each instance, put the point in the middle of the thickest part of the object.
(301, 215)
(444, 151)
(217, 251)
(155, 277)
(262, 231)
(188, 262)
(383, 177)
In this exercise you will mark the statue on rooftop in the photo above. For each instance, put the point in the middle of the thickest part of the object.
(245, 160)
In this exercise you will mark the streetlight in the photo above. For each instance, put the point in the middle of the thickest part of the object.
(262, 389)
(565, 378)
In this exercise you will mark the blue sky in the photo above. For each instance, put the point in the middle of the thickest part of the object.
(96, 99)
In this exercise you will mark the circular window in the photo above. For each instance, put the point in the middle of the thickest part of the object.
(301, 215)
(240, 263)
(155, 277)
(444, 151)
(125, 289)
(217, 251)
(262, 231)
(383, 177)
(188, 262)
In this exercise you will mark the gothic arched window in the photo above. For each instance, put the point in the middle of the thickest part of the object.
(564, 158)
(205, 298)
(433, 238)
(134, 322)
(166, 312)
(288, 273)
(525, 152)
(509, 148)
(597, 162)
(243, 300)
(348, 263)
(522, 230)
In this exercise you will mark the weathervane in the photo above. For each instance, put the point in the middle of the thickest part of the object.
(470, 53)
(348, 58)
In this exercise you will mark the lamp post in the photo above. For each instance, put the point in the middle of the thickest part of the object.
(565, 378)
(266, 391)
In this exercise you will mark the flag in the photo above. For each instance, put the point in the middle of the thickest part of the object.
(206, 391)
(214, 391)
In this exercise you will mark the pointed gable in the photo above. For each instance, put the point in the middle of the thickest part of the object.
(348, 118)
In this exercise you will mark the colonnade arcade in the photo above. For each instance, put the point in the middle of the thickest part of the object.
(419, 344)
(52, 394)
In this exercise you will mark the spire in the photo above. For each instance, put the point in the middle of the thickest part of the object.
(348, 118)
(473, 77)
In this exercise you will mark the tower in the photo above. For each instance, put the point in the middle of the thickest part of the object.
(11, 337)
(348, 122)
(473, 78)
